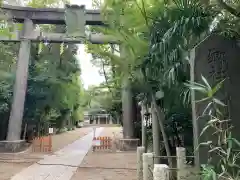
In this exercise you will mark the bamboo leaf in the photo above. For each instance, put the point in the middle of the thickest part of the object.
(204, 130)
(207, 107)
(202, 100)
(40, 47)
(205, 143)
(61, 48)
(234, 140)
(214, 149)
(200, 89)
(206, 83)
(218, 102)
(217, 87)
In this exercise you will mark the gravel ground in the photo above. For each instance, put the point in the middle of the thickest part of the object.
(102, 165)
(7, 170)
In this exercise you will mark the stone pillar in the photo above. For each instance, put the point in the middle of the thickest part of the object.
(20, 86)
(106, 119)
(161, 172)
(140, 151)
(181, 163)
(118, 120)
(98, 120)
(147, 166)
(110, 119)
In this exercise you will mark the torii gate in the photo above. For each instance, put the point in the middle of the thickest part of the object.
(30, 16)
(54, 16)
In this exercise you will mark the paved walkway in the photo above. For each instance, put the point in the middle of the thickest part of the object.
(62, 165)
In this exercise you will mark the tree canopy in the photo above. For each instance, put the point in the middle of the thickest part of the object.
(155, 39)
(54, 91)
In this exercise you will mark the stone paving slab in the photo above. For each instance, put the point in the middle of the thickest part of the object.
(62, 164)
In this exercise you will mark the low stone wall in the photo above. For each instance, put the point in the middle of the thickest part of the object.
(13, 146)
(128, 144)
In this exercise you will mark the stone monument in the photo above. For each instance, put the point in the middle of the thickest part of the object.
(216, 58)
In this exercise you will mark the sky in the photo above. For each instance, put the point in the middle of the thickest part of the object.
(90, 74)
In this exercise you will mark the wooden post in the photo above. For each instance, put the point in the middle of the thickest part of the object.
(50, 143)
(17, 109)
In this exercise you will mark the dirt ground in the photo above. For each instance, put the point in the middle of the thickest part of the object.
(12, 164)
(100, 165)
(97, 165)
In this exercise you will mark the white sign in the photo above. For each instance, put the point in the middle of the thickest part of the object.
(96, 142)
(50, 130)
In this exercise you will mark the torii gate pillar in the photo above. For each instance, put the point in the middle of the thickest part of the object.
(14, 142)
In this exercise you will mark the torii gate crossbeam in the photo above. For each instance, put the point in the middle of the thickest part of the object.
(48, 15)
(52, 16)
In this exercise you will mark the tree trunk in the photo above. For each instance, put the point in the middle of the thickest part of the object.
(144, 133)
(155, 134)
(160, 116)
(127, 101)
(127, 108)
(64, 118)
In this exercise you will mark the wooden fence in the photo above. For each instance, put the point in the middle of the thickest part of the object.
(42, 144)
(102, 143)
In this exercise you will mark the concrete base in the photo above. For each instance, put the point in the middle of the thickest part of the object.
(128, 144)
(13, 146)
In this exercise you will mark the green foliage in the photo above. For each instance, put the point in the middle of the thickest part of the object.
(99, 97)
(147, 30)
(54, 85)
(225, 147)
(156, 38)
